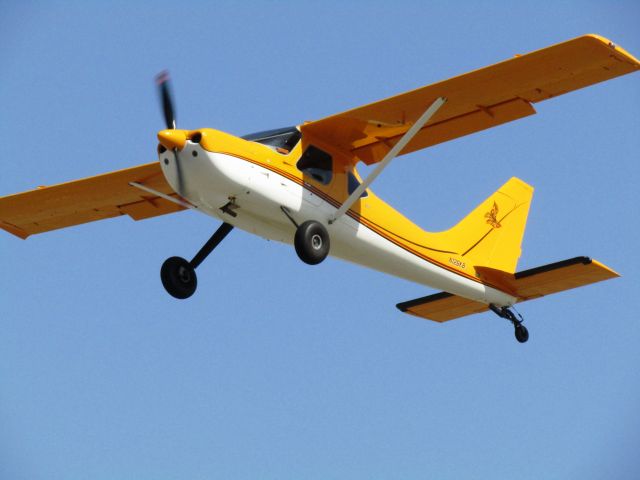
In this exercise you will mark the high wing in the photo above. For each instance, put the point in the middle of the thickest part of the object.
(80, 201)
(476, 100)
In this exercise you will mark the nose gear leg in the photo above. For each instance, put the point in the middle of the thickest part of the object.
(179, 276)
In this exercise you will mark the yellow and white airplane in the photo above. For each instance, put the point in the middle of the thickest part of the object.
(299, 185)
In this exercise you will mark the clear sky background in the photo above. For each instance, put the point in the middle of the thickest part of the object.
(275, 369)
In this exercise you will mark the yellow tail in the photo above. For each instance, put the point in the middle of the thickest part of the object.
(491, 235)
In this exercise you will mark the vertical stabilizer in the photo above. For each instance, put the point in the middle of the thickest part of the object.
(491, 235)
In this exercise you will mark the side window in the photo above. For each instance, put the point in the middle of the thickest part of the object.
(317, 164)
(353, 183)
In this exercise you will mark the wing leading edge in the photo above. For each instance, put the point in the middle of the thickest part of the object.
(95, 198)
(477, 100)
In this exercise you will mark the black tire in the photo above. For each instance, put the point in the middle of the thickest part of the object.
(178, 277)
(312, 242)
(522, 334)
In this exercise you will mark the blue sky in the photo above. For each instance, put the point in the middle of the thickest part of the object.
(275, 369)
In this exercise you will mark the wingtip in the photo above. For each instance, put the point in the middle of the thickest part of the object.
(618, 49)
(13, 230)
(611, 271)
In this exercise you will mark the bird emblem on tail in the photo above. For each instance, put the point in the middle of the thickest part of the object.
(492, 216)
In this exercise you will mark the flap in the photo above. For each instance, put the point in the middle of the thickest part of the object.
(477, 100)
(80, 201)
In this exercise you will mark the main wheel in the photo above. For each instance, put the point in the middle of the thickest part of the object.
(311, 242)
(178, 277)
(522, 334)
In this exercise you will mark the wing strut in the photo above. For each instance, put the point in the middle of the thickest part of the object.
(163, 195)
(395, 150)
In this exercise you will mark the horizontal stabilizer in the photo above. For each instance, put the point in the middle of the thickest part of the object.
(526, 285)
(441, 307)
(553, 278)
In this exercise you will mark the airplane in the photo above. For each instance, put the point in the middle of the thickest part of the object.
(299, 185)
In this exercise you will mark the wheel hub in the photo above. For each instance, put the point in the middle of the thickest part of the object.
(316, 242)
(184, 275)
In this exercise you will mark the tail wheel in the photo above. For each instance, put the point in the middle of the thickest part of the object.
(311, 242)
(178, 277)
(522, 334)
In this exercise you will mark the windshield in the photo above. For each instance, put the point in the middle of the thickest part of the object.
(286, 138)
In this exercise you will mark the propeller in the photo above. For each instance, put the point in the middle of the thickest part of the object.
(162, 80)
(164, 90)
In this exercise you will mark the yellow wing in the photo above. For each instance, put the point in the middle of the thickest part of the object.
(477, 100)
(80, 201)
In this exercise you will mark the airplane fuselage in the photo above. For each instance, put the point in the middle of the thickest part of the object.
(260, 190)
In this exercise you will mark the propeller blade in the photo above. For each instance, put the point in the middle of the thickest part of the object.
(162, 81)
(180, 186)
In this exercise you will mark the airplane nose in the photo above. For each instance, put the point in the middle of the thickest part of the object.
(172, 139)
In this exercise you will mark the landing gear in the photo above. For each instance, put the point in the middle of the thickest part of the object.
(311, 242)
(179, 276)
(521, 332)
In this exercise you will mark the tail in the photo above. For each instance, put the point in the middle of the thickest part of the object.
(489, 238)
(491, 235)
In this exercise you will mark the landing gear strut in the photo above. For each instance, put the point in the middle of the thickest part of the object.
(179, 276)
(521, 332)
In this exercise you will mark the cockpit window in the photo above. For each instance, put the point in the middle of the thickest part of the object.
(317, 164)
(353, 183)
(285, 138)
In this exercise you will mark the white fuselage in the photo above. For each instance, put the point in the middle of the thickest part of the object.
(257, 195)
